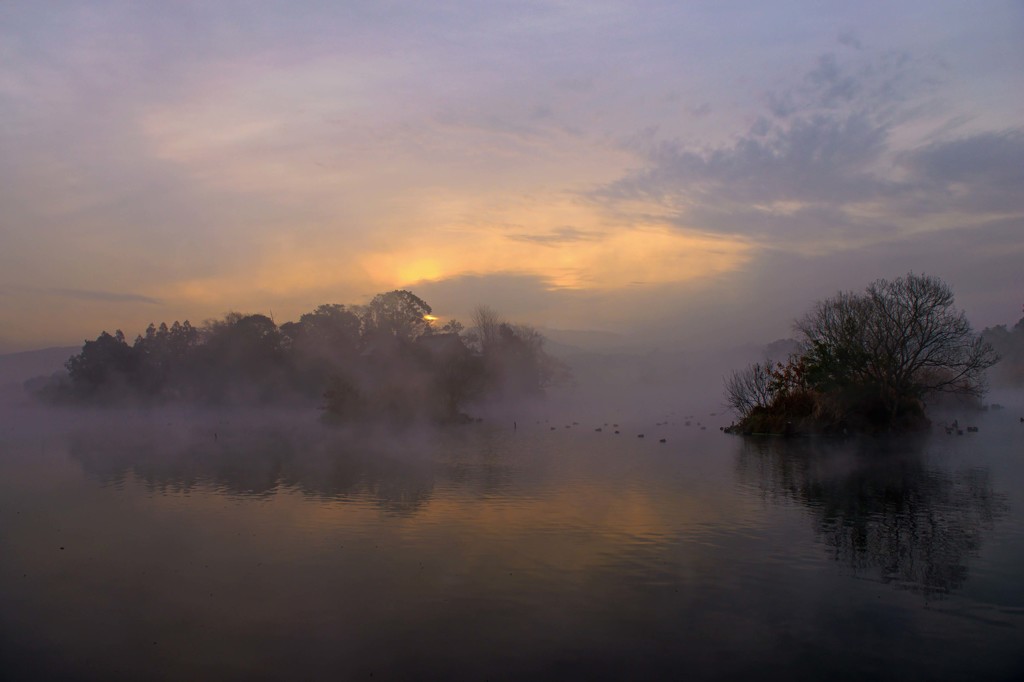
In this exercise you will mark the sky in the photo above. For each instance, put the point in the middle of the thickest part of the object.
(677, 173)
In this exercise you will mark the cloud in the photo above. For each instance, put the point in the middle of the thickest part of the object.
(530, 299)
(652, 252)
(981, 263)
(824, 138)
(984, 171)
(833, 85)
(701, 110)
(832, 168)
(516, 296)
(816, 158)
(106, 296)
(877, 85)
(760, 302)
(850, 39)
(557, 237)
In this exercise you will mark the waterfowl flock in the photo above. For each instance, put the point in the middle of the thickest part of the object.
(688, 420)
(952, 428)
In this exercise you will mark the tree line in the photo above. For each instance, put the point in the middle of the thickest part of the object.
(387, 358)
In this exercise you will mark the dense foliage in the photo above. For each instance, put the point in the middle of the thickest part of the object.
(386, 358)
(867, 362)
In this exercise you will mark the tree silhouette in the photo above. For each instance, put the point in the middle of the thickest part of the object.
(397, 313)
(104, 365)
(868, 361)
(902, 337)
(384, 359)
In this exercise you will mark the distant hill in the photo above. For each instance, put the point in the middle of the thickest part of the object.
(583, 339)
(16, 368)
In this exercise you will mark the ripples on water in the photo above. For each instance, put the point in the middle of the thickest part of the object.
(233, 546)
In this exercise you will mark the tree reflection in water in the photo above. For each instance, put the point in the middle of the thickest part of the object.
(880, 507)
(256, 461)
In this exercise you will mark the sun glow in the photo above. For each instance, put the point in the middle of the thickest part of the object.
(603, 261)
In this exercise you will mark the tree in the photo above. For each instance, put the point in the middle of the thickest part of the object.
(486, 324)
(904, 339)
(322, 343)
(452, 326)
(329, 333)
(868, 361)
(331, 329)
(397, 313)
(513, 354)
(242, 357)
(104, 364)
(384, 359)
(455, 374)
(749, 388)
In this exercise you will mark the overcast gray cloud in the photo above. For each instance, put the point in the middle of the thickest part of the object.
(982, 172)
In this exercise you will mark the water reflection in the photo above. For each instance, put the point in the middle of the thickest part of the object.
(879, 507)
(271, 546)
(255, 462)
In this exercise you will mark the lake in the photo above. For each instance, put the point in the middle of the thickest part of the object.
(262, 545)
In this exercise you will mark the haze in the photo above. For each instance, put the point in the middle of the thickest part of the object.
(670, 173)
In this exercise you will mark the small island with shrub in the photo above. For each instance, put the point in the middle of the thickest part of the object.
(868, 361)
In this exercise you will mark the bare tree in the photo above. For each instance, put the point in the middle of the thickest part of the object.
(903, 337)
(487, 323)
(749, 388)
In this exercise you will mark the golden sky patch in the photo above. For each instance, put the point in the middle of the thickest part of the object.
(586, 254)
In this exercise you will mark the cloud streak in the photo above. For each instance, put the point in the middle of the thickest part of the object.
(557, 237)
(105, 296)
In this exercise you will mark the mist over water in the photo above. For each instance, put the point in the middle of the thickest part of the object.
(237, 444)
(262, 544)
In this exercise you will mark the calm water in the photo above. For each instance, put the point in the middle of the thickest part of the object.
(182, 546)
